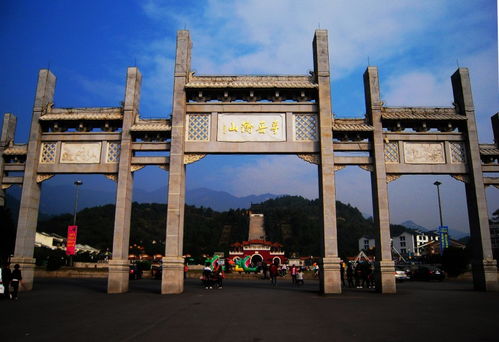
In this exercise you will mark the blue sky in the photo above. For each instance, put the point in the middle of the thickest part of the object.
(416, 45)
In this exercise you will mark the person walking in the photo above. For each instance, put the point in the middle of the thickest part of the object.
(207, 276)
(342, 273)
(358, 275)
(274, 270)
(299, 278)
(16, 280)
(350, 275)
(294, 271)
(220, 276)
(6, 277)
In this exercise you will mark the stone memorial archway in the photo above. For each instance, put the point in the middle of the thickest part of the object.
(257, 115)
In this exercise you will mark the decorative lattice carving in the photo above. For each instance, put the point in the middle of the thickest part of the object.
(391, 152)
(43, 177)
(312, 158)
(199, 127)
(457, 153)
(48, 153)
(190, 158)
(391, 178)
(113, 152)
(306, 127)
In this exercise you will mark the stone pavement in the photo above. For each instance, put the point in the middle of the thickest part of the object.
(248, 310)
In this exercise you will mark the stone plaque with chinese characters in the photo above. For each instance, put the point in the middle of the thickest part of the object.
(80, 153)
(424, 153)
(251, 127)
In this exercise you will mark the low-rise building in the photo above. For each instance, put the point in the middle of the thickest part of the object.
(406, 243)
(52, 241)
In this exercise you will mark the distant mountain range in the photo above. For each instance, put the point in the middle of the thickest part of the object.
(455, 234)
(53, 204)
(412, 225)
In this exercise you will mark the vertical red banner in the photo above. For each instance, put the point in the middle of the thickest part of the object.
(71, 241)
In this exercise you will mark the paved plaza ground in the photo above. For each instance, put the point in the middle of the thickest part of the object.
(248, 310)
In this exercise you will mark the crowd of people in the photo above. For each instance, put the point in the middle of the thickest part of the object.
(358, 276)
(353, 275)
(213, 278)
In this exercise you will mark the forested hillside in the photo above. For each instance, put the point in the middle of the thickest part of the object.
(291, 220)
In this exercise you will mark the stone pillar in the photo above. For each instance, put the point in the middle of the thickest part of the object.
(495, 127)
(173, 263)
(119, 265)
(483, 264)
(385, 267)
(8, 133)
(30, 198)
(330, 271)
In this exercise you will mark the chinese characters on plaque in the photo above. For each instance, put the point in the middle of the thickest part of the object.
(249, 127)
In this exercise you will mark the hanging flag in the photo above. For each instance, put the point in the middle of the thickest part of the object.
(71, 241)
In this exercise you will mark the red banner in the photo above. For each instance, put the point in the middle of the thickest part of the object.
(71, 242)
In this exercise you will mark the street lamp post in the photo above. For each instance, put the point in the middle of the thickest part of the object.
(77, 185)
(437, 183)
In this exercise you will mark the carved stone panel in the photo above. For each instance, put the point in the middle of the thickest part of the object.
(80, 153)
(251, 127)
(424, 153)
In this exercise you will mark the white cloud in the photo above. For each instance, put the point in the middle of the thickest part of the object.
(417, 89)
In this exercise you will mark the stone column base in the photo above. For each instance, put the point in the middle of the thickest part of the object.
(172, 281)
(485, 275)
(119, 271)
(384, 275)
(27, 271)
(330, 277)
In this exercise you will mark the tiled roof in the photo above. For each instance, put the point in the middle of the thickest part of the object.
(15, 150)
(101, 113)
(420, 113)
(156, 125)
(351, 125)
(251, 82)
(489, 150)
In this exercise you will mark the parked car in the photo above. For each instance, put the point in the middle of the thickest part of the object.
(401, 274)
(135, 272)
(428, 273)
